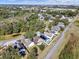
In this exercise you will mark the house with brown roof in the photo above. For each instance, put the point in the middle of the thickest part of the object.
(37, 40)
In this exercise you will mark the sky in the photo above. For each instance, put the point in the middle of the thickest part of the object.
(41, 2)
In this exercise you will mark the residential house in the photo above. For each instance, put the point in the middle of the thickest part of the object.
(38, 33)
(43, 10)
(41, 38)
(49, 34)
(37, 40)
(41, 17)
(70, 19)
(28, 43)
(61, 25)
(45, 37)
(21, 47)
(62, 17)
(55, 28)
(66, 18)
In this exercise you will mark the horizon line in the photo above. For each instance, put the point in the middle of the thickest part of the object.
(39, 4)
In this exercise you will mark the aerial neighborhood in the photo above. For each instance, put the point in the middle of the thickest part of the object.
(30, 30)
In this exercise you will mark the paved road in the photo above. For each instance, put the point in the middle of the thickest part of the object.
(54, 49)
(11, 41)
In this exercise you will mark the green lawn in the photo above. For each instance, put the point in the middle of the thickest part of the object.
(71, 50)
(77, 23)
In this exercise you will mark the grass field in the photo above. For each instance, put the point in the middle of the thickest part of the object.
(71, 50)
(77, 23)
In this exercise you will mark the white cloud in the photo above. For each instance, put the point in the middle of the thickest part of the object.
(74, 2)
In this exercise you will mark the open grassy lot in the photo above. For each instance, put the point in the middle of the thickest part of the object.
(71, 50)
(77, 23)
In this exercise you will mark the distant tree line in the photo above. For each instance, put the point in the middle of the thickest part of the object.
(68, 13)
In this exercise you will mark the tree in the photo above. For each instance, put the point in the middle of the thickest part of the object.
(10, 53)
(42, 46)
(30, 34)
(33, 53)
(65, 21)
(16, 27)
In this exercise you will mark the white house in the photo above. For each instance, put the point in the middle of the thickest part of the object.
(63, 17)
(38, 33)
(61, 24)
(28, 43)
(49, 34)
(43, 10)
(55, 28)
(41, 17)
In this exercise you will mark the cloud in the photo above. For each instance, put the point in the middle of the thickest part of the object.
(51, 2)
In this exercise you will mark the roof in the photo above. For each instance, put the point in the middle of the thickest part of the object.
(36, 39)
(48, 34)
(27, 42)
(61, 24)
(55, 28)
